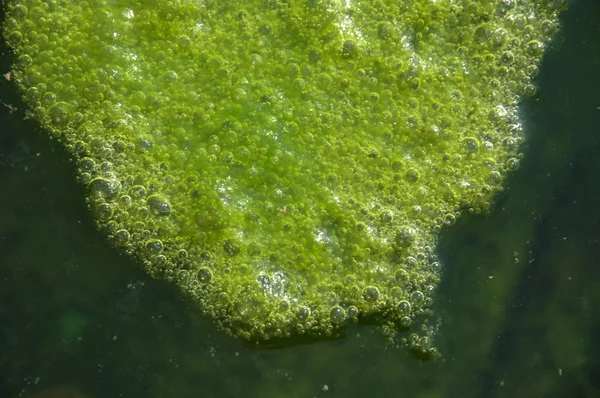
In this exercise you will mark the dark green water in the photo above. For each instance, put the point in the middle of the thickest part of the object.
(519, 302)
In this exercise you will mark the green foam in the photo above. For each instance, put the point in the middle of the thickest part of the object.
(287, 164)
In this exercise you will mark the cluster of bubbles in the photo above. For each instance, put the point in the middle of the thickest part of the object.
(288, 165)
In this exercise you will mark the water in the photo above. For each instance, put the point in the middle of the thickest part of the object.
(517, 301)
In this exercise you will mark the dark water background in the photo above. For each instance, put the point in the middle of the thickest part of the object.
(519, 303)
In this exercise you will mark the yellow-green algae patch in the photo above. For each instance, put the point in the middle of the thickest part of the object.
(287, 164)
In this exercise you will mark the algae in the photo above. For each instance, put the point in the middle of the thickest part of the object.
(287, 164)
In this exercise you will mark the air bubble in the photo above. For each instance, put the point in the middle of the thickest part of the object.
(154, 246)
(183, 275)
(158, 205)
(352, 311)
(122, 237)
(231, 247)
(204, 275)
(386, 217)
(87, 164)
(284, 305)
(103, 211)
(404, 307)
(303, 313)
(59, 113)
(471, 145)
(370, 293)
(125, 201)
(405, 237)
(405, 321)
(14, 37)
(417, 297)
(337, 315)
(104, 188)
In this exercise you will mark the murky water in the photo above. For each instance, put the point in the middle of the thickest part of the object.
(518, 303)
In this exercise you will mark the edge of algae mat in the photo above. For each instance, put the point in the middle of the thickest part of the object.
(288, 165)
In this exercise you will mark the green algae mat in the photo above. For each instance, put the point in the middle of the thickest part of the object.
(287, 164)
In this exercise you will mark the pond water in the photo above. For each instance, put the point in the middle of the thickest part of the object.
(518, 303)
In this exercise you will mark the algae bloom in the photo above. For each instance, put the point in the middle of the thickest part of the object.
(287, 164)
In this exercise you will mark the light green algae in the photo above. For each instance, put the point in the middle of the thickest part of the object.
(287, 164)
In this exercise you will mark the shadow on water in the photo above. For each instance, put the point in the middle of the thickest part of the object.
(518, 303)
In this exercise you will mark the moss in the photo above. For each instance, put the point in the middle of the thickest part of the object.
(283, 146)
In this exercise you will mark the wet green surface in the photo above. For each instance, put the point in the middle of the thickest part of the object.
(517, 299)
(288, 165)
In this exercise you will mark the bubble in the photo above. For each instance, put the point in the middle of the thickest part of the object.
(137, 191)
(370, 293)
(507, 57)
(337, 315)
(405, 321)
(182, 254)
(324, 80)
(293, 70)
(412, 175)
(19, 11)
(405, 237)
(14, 37)
(122, 237)
(529, 90)
(171, 76)
(104, 211)
(424, 343)
(160, 260)
(404, 307)
(417, 297)
(349, 49)
(214, 149)
(24, 61)
(402, 276)
(104, 188)
(184, 41)
(481, 34)
(144, 144)
(231, 247)
(143, 212)
(154, 246)
(284, 305)
(386, 216)
(471, 145)
(183, 275)
(87, 164)
(512, 164)
(125, 201)
(299, 84)
(303, 313)
(158, 205)
(352, 311)
(204, 275)
(106, 166)
(49, 98)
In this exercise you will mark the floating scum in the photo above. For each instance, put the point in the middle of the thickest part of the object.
(287, 164)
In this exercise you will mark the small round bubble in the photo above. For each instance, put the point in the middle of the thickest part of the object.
(122, 237)
(337, 315)
(104, 188)
(158, 205)
(154, 246)
(404, 307)
(370, 293)
(204, 275)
